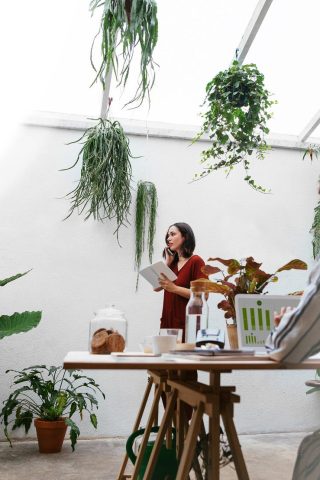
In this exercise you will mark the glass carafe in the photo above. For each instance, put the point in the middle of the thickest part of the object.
(197, 313)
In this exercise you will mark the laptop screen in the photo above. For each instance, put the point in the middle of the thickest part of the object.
(254, 315)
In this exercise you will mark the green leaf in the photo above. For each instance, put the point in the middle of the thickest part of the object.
(11, 279)
(93, 419)
(18, 322)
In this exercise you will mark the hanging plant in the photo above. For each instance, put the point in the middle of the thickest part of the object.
(236, 120)
(127, 23)
(103, 190)
(315, 230)
(313, 150)
(146, 206)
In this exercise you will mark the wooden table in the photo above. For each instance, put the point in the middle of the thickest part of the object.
(214, 400)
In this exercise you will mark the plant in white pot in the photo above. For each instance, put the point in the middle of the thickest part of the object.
(50, 396)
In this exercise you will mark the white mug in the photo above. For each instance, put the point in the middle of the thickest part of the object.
(163, 343)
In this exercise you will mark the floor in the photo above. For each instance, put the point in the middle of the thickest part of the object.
(269, 456)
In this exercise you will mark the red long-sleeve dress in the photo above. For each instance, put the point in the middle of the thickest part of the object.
(174, 306)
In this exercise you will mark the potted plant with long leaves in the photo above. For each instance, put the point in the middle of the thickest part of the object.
(104, 188)
(243, 276)
(238, 109)
(17, 322)
(50, 396)
(127, 24)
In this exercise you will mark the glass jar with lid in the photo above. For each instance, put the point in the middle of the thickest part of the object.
(108, 331)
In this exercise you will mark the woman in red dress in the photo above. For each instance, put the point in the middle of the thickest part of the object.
(179, 257)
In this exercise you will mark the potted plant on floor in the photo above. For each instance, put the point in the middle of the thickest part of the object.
(243, 276)
(50, 396)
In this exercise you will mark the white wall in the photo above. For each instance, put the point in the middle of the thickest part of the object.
(78, 266)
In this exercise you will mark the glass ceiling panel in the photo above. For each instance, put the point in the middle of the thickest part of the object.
(47, 58)
(286, 50)
(49, 65)
(196, 40)
(46, 50)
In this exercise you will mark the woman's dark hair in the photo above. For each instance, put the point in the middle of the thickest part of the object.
(189, 243)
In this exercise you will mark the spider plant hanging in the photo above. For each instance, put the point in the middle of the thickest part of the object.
(127, 23)
(236, 120)
(146, 206)
(104, 190)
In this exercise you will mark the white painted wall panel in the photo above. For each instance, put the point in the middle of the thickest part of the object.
(78, 266)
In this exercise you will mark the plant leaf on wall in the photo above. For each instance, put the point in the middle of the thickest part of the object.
(11, 279)
(18, 322)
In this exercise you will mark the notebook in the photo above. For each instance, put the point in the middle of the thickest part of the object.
(254, 315)
(153, 272)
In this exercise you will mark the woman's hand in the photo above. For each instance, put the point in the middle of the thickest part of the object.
(278, 316)
(169, 258)
(167, 284)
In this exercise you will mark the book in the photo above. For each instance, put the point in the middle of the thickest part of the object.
(213, 352)
(153, 272)
(210, 356)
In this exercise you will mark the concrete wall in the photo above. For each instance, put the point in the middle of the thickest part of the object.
(78, 266)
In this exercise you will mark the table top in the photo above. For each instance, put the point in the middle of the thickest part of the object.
(86, 360)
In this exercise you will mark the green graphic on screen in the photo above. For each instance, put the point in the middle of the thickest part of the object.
(256, 324)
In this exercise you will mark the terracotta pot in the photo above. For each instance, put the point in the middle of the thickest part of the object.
(50, 435)
(233, 336)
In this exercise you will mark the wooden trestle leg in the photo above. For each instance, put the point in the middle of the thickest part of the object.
(158, 379)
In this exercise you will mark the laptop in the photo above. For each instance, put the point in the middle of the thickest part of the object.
(254, 315)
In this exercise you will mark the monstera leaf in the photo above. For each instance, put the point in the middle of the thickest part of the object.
(18, 322)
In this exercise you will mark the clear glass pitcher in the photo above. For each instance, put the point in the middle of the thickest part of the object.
(197, 312)
(108, 331)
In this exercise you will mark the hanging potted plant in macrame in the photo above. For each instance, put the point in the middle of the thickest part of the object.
(103, 191)
(126, 24)
(236, 120)
(146, 207)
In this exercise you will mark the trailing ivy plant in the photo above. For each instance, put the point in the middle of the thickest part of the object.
(236, 120)
(127, 24)
(146, 207)
(104, 188)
